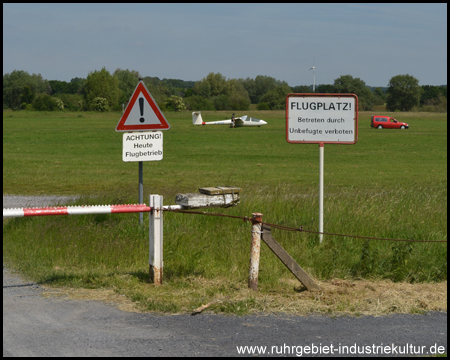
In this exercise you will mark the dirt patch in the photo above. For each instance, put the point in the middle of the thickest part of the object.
(336, 297)
(107, 296)
(377, 297)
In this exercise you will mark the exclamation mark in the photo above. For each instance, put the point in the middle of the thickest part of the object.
(350, 104)
(141, 107)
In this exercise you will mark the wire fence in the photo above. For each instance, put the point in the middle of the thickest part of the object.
(299, 229)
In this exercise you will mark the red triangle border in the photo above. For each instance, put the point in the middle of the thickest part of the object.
(140, 88)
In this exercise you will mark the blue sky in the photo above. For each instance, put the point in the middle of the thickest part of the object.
(187, 41)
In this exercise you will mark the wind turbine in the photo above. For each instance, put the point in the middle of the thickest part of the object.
(314, 75)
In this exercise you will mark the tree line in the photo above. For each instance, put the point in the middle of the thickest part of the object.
(105, 91)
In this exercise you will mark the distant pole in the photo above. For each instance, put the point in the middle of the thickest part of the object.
(314, 75)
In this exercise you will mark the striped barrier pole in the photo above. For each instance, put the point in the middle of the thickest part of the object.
(76, 210)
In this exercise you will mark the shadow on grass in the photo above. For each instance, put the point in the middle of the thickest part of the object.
(168, 274)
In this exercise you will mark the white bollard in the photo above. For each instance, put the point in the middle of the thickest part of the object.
(156, 239)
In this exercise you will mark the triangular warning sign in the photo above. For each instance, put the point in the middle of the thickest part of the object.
(142, 113)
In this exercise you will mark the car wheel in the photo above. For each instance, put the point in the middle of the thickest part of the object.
(402, 127)
(379, 126)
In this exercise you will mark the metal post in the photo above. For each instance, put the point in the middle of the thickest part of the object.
(141, 190)
(255, 251)
(321, 153)
(156, 239)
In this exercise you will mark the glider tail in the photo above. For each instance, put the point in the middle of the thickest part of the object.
(197, 118)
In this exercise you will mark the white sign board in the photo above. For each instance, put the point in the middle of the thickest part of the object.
(142, 146)
(322, 118)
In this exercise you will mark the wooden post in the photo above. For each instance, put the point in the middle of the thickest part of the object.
(156, 239)
(255, 252)
(287, 260)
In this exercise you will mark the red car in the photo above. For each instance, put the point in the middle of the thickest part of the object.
(387, 122)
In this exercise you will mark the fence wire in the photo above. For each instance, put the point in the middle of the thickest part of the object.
(299, 229)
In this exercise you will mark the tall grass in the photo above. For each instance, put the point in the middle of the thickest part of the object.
(80, 249)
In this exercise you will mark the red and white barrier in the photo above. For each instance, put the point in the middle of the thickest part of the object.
(155, 223)
(76, 210)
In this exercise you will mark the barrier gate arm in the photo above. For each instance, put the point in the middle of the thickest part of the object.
(76, 210)
(155, 210)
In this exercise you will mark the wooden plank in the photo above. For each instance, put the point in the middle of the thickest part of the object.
(195, 200)
(287, 259)
(219, 190)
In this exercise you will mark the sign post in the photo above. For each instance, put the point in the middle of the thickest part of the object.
(321, 162)
(322, 119)
(142, 114)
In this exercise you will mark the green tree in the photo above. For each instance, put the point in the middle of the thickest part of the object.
(100, 104)
(188, 92)
(160, 90)
(210, 86)
(250, 85)
(71, 101)
(128, 79)
(239, 97)
(202, 89)
(275, 99)
(379, 98)
(77, 85)
(196, 102)
(59, 87)
(217, 82)
(223, 94)
(46, 103)
(429, 93)
(265, 84)
(27, 96)
(101, 84)
(20, 83)
(403, 93)
(259, 86)
(302, 89)
(379, 92)
(433, 98)
(347, 84)
(175, 103)
(221, 102)
(325, 89)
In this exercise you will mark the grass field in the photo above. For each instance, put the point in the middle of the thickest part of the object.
(390, 184)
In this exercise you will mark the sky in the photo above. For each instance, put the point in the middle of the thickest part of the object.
(186, 41)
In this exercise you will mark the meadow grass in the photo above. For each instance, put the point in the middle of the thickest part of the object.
(390, 184)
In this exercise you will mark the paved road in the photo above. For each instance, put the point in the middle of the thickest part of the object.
(35, 326)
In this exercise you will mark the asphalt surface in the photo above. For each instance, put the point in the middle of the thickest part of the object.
(37, 326)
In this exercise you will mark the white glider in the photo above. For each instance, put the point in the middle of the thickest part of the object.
(238, 121)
